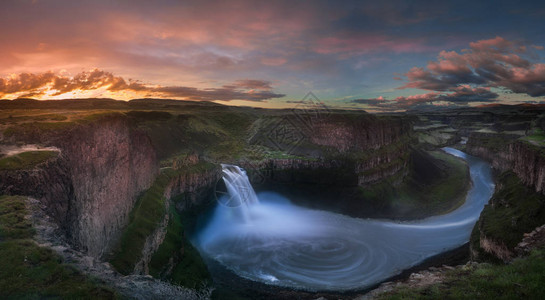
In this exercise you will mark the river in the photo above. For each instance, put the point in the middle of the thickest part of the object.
(281, 244)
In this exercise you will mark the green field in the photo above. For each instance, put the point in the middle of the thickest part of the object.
(522, 279)
(25, 160)
(29, 271)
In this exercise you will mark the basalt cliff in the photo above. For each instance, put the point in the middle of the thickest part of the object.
(125, 187)
(91, 187)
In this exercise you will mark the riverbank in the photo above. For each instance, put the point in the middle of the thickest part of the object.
(370, 251)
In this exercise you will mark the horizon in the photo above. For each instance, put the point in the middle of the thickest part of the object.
(386, 57)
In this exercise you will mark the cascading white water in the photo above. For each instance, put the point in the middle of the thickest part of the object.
(240, 194)
(240, 190)
(291, 246)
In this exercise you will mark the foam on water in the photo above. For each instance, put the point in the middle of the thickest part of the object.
(282, 244)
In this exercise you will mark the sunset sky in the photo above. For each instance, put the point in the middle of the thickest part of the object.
(372, 55)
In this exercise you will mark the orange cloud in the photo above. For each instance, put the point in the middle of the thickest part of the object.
(50, 84)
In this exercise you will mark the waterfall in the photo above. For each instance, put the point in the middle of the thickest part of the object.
(240, 192)
(276, 242)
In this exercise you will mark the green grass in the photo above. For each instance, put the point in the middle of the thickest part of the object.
(36, 128)
(188, 268)
(218, 136)
(31, 272)
(522, 279)
(537, 137)
(148, 212)
(13, 221)
(33, 132)
(29, 118)
(25, 160)
(514, 209)
(145, 216)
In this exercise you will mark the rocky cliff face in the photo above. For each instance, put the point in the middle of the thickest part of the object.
(515, 207)
(195, 187)
(344, 150)
(523, 158)
(104, 164)
(529, 164)
(110, 164)
(189, 186)
(48, 182)
(356, 134)
(513, 210)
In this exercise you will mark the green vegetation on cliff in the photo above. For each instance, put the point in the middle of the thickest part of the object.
(29, 271)
(536, 137)
(521, 279)
(25, 160)
(176, 259)
(513, 210)
(145, 217)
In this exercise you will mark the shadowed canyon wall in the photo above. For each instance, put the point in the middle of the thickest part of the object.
(527, 161)
(104, 164)
(354, 150)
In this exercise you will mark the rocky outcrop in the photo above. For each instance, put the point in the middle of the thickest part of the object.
(496, 248)
(193, 185)
(531, 240)
(49, 182)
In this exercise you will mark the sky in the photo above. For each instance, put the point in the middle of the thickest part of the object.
(371, 55)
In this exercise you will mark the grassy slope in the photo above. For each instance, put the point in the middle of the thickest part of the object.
(189, 269)
(513, 210)
(25, 160)
(31, 272)
(145, 216)
(522, 279)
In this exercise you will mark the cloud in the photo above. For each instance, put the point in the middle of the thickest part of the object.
(253, 84)
(488, 63)
(51, 84)
(460, 95)
(377, 102)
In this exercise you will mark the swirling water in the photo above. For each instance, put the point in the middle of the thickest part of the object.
(282, 244)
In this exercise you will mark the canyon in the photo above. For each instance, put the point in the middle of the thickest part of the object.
(164, 159)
